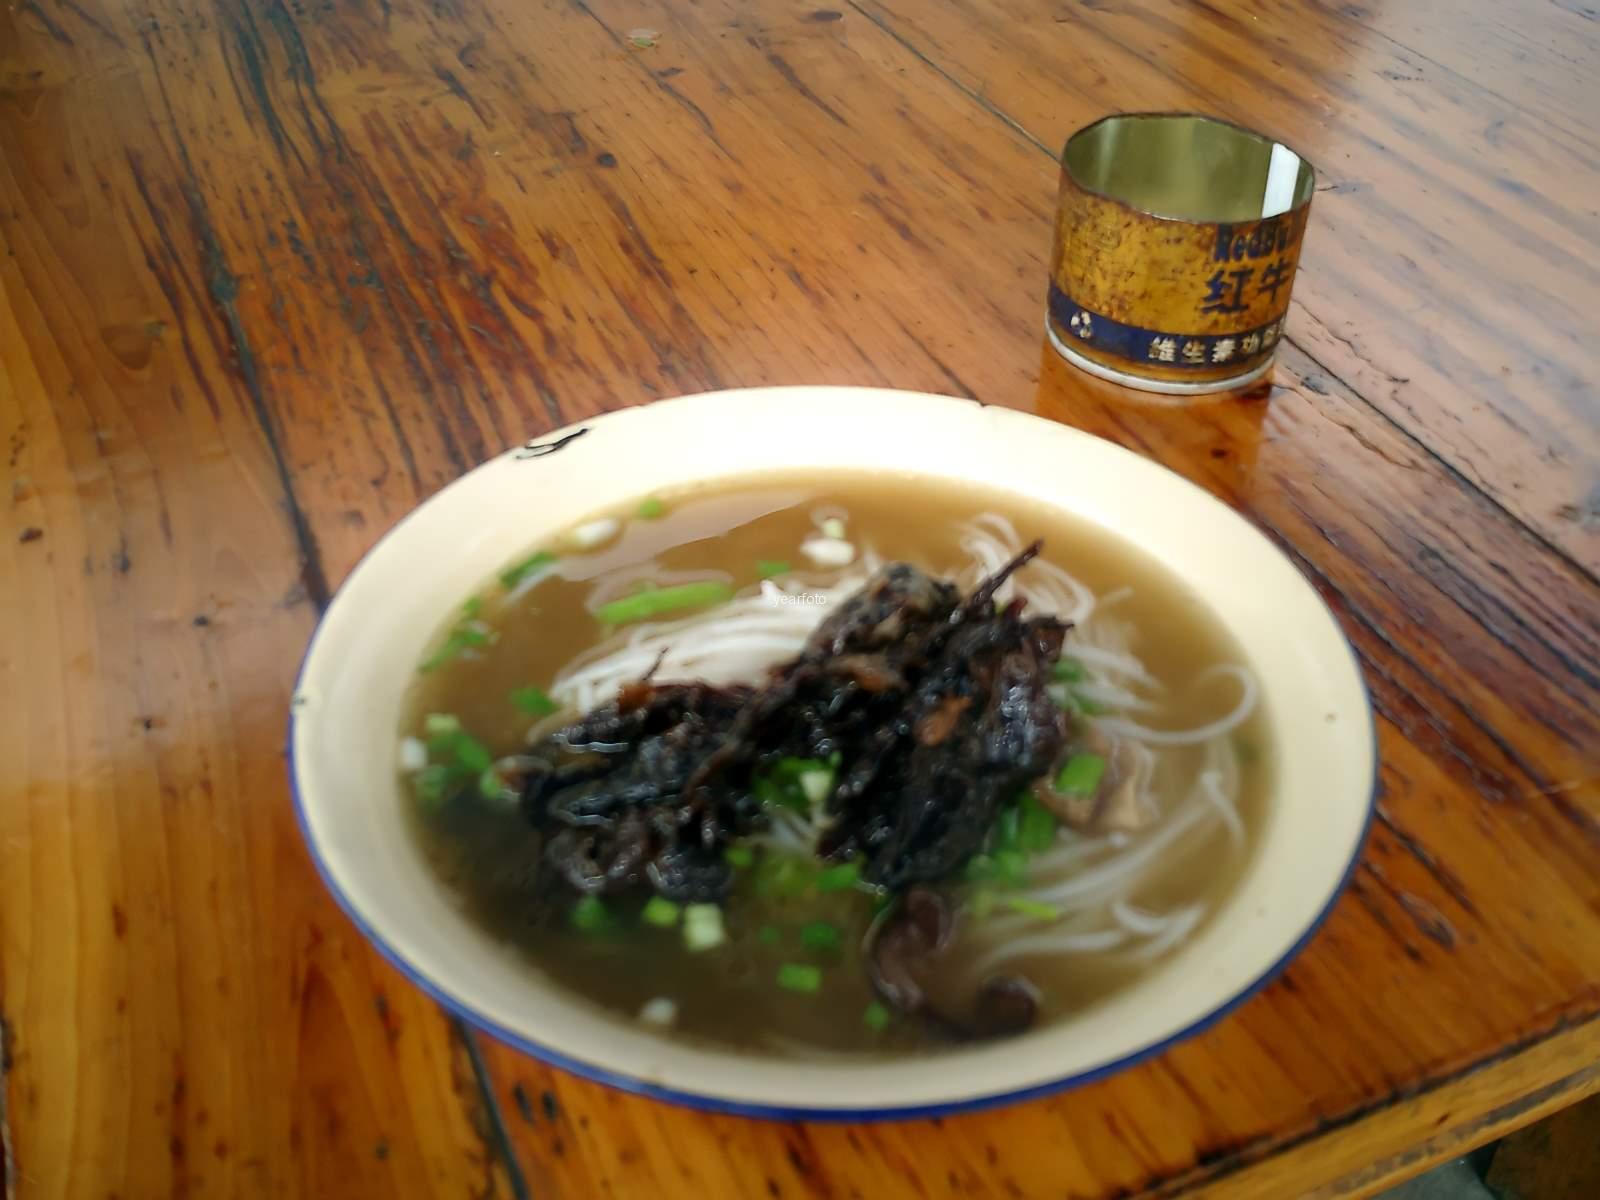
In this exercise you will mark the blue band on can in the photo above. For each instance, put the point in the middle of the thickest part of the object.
(1153, 347)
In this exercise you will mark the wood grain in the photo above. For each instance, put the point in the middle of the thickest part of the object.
(185, 1011)
(277, 271)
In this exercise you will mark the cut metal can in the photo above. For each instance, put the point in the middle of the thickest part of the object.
(1176, 242)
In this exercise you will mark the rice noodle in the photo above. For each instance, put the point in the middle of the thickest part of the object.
(1249, 692)
(1137, 920)
(1211, 787)
(1049, 941)
(1179, 926)
(1117, 875)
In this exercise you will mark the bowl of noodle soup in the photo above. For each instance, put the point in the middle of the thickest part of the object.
(1095, 778)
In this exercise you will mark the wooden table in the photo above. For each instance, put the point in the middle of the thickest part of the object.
(275, 271)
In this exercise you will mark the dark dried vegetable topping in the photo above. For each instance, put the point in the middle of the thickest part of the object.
(932, 707)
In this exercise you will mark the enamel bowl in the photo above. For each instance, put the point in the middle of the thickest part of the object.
(346, 714)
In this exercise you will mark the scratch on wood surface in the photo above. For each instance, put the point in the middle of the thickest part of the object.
(1430, 922)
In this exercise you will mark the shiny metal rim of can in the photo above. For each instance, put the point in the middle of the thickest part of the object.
(1168, 387)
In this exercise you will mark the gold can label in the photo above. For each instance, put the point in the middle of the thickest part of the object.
(1172, 300)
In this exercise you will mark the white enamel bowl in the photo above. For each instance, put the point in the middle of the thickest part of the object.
(344, 724)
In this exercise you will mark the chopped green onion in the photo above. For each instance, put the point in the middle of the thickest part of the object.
(1081, 775)
(533, 701)
(1005, 829)
(1069, 670)
(836, 879)
(820, 935)
(1037, 828)
(490, 785)
(464, 749)
(876, 1018)
(817, 786)
(980, 868)
(739, 856)
(462, 638)
(781, 875)
(591, 915)
(983, 902)
(797, 783)
(1088, 707)
(437, 724)
(768, 567)
(800, 977)
(1010, 866)
(472, 607)
(644, 605)
(658, 910)
(515, 574)
(1031, 908)
(769, 935)
(650, 509)
(432, 783)
(702, 927)
(833, 527)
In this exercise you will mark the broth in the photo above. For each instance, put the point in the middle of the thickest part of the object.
(532, 633)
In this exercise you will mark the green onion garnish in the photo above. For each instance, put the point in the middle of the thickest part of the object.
(1069, 670)
(658, 910)
(533, 701)
(1088, 707)
(702, 926)
(739, 856)
(768, 567)
(472, 607)
(1037, 828)
(768, 935)
(817, 786)
(981, 868)
(650, 509)
(836, 879)
(1010, 867)
(460, 748)
(876, 1018)
(643, 605)
(490, 785)
(1031, 908)
(513, 575)
(1081, 775)
(590, 914)
(781, 875)
(431, 784)
(437, 724)
(820, 935)
(800, 977)
(1007, 828)
(462, 638)
(797, 783)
